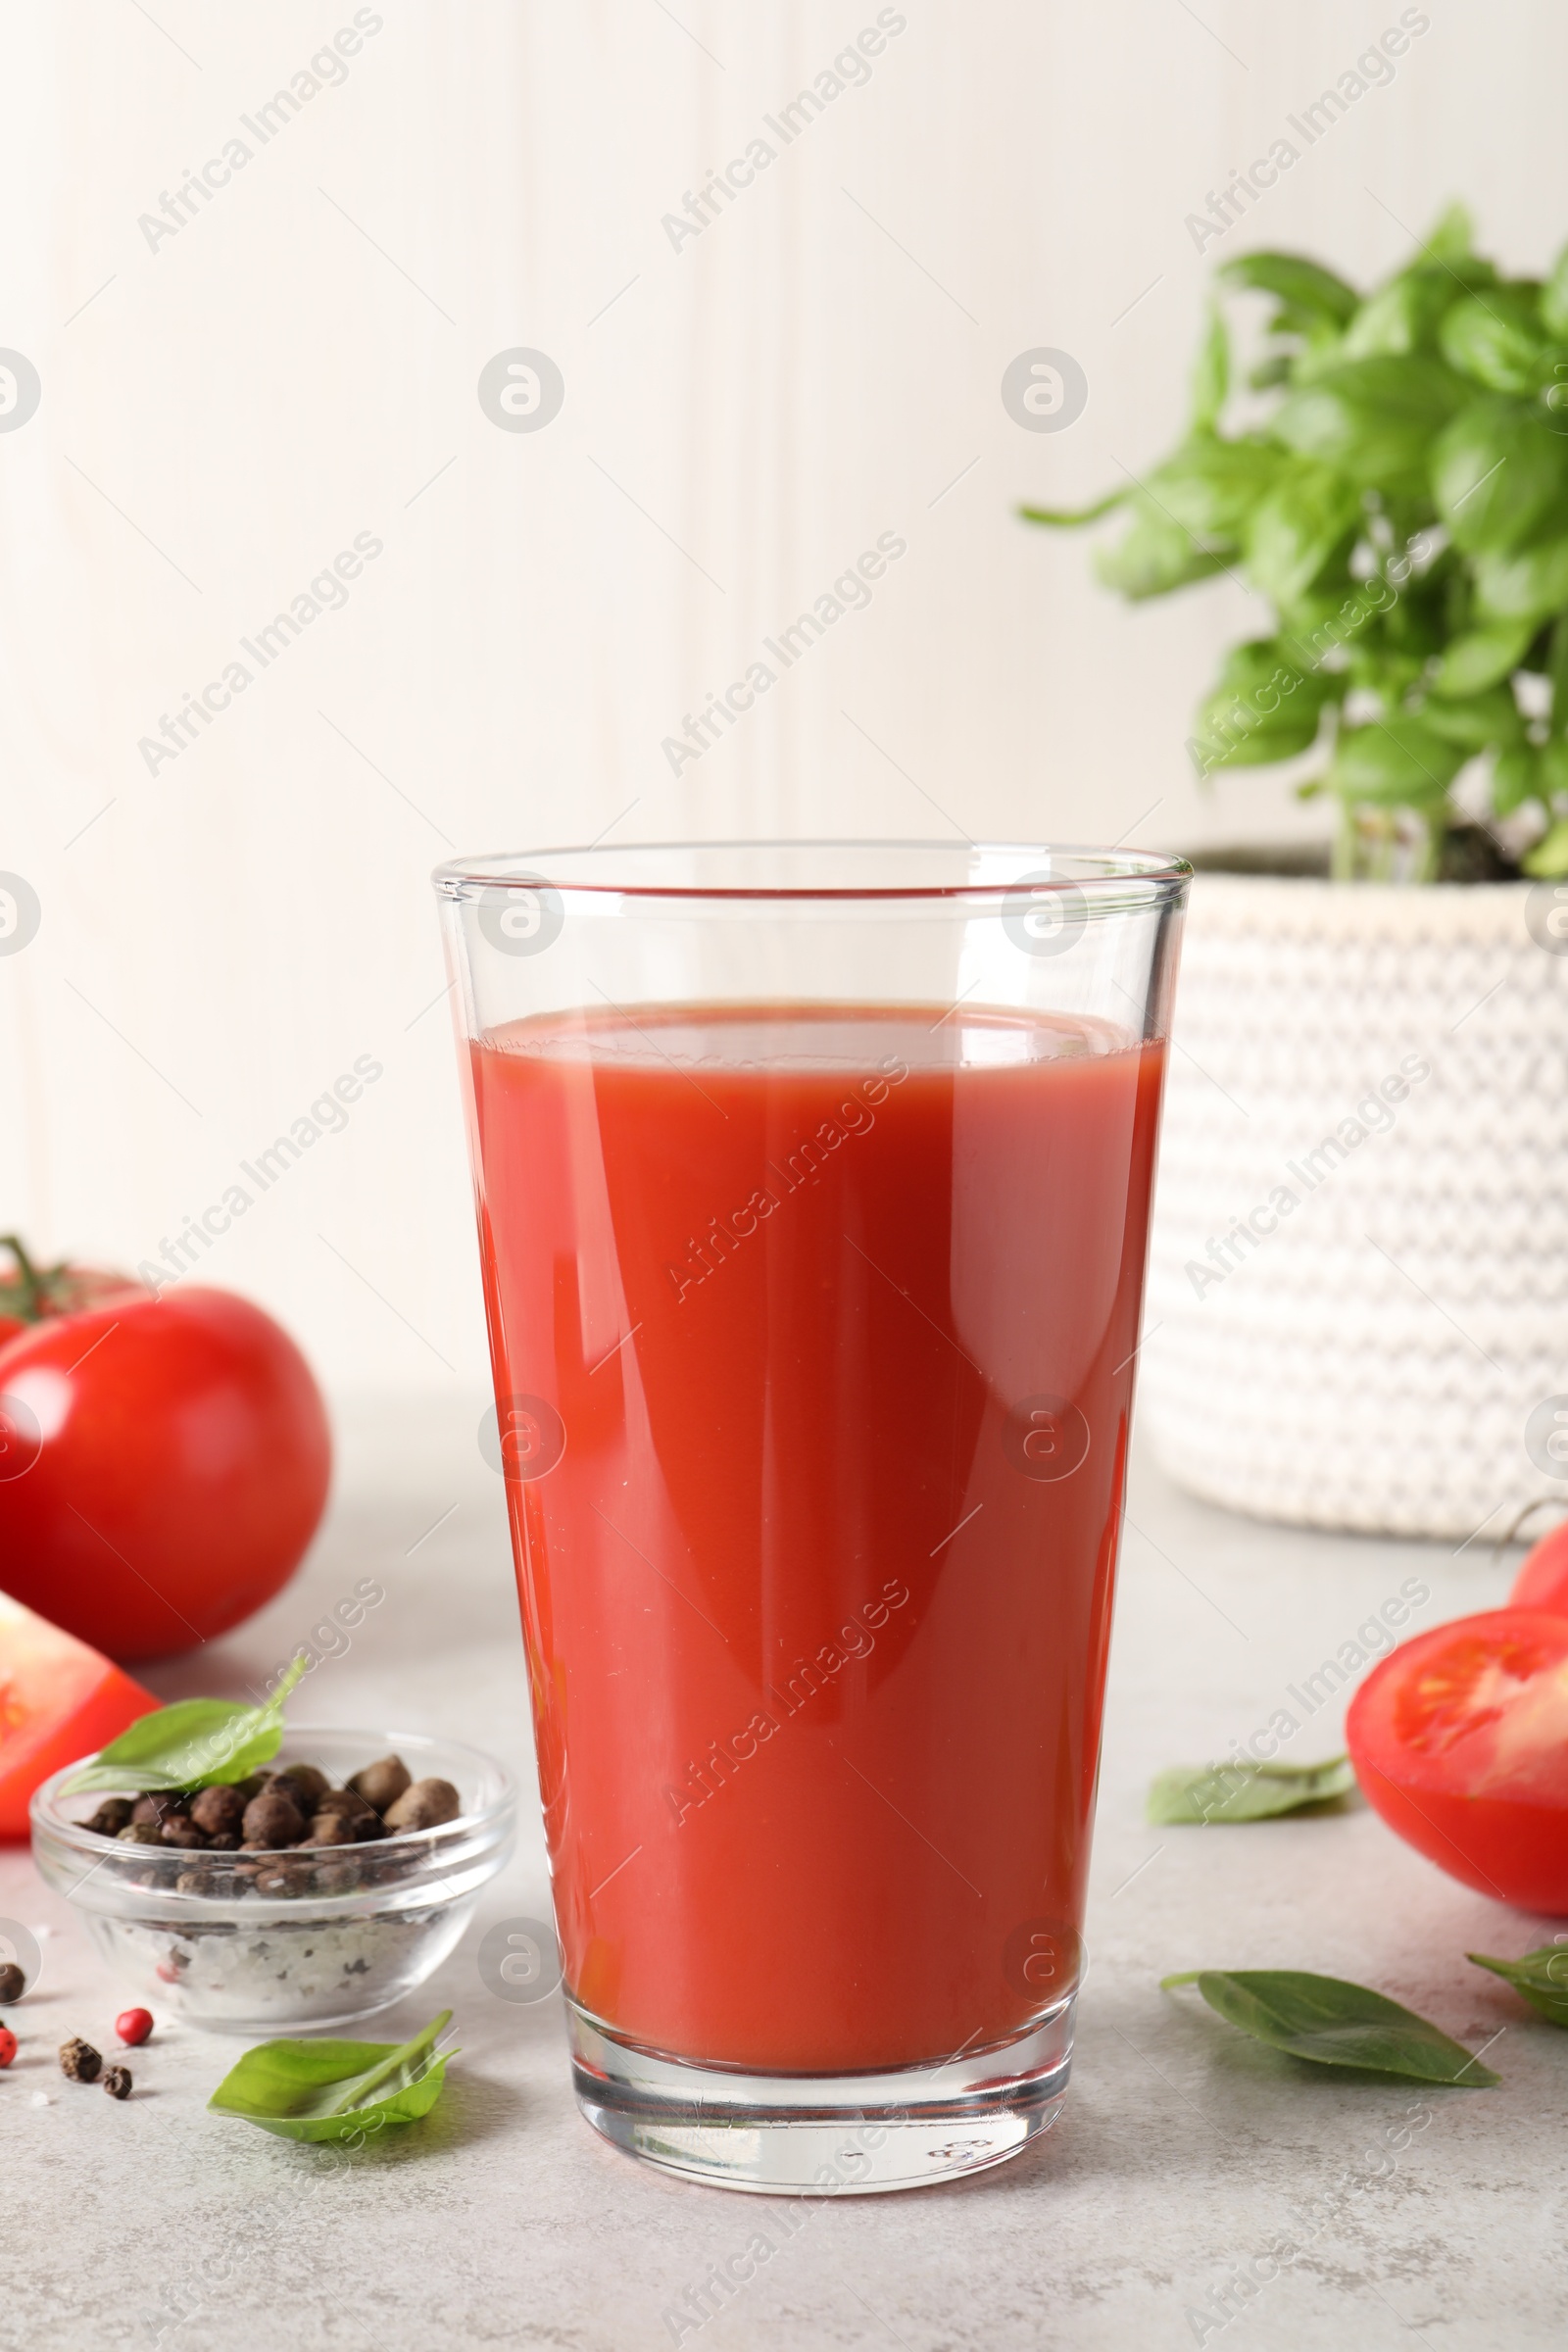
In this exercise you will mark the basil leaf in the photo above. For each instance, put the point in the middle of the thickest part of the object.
(1296, 528)
(1372, 418)
(1542, 1976)
(1497, 471)
(1451, 238)
(1211, 486)
(1263, 708)
(1525, 586)
(334, 2089)
(1475, 721)
(1403, 316)
(1482, 656)
(1554, 298)
(1300, 284)
(1496, 339)
(1156, 556)
(196, 1743)
(1558, 672)
(1262, 663)
(147, 1751)
(1335, 2024)
(1516, 777)
(1245, 1792)
(1322, 350)
(1548, 860)
(1396, 762)
(1211, 376)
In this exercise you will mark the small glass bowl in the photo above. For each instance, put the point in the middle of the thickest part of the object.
(366, 1924)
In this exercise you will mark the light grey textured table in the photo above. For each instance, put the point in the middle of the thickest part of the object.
(1184, 2153)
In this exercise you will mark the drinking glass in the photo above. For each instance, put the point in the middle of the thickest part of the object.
(813, 1189)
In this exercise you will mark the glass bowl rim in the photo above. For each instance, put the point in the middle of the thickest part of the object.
(1115, 877)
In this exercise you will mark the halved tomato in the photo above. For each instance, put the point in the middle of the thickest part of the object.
(59, 1701)
(1459, 1739)
(1542, 1579)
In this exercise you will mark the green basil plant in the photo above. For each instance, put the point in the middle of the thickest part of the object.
(1397, 490)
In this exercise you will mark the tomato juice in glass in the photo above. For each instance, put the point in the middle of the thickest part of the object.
(812, 1323)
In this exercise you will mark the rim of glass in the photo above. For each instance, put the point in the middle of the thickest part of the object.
(642, 870)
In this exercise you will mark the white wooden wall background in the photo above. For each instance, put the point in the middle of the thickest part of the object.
(226, 409)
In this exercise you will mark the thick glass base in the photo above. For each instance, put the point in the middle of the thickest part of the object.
(823, 2134)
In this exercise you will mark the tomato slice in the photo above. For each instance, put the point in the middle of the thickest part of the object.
(1459, 1739)
(1542, 1579)
(59, 1701)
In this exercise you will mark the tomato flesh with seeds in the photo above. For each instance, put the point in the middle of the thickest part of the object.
(1459, 1740)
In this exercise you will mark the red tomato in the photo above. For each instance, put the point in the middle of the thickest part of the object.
(1459, 1739)
(59, 1701)
(1542, 1579)
(164, 1463)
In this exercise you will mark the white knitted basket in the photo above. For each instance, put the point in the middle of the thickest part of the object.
(1386, 1348)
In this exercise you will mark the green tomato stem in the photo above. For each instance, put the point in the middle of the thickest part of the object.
(29, 1306)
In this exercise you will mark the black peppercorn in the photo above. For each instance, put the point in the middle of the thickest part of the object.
(424, 1805)
(384, 1783)
(302, 1785)
(79, 2060)
(286, 1877)
(347, 1801)
(334, 1877)
(271, 1821)
(110, 1816)
(116, 2082)
(201, 1882)
(218, 1810)
(331, 1829)
(156, 1804)
(13, 1984)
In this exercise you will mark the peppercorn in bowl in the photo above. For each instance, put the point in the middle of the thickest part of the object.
(308, 1896)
